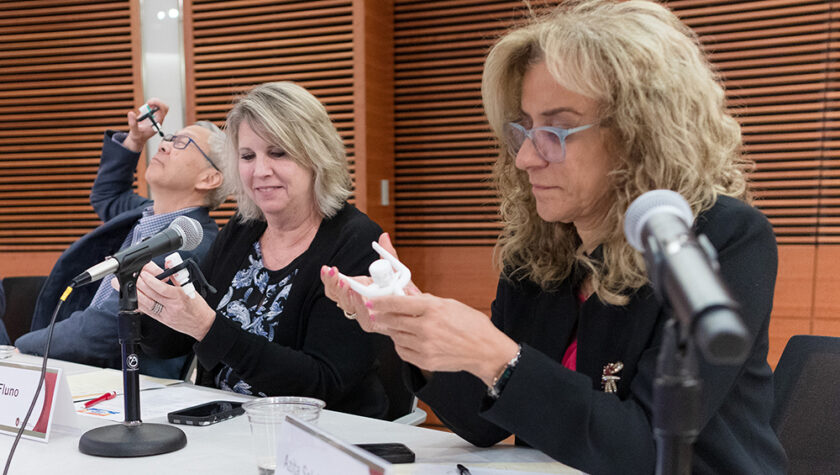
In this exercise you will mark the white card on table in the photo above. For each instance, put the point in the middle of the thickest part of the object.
(305, 449)
(54, 406)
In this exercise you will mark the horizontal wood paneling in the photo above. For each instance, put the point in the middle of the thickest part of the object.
(776, 59)
(68, 71)
(444, 149)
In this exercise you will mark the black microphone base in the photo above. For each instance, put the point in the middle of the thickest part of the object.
(140, 440)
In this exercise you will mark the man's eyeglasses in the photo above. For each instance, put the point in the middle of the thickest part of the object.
(550, 142)
(182, 141)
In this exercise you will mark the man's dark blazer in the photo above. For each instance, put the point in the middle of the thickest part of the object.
(87, 334)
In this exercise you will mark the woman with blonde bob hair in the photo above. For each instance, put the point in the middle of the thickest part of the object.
(270, 330)
(287, 114)
(593, 105)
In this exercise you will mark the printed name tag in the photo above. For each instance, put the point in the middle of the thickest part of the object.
(303, 449)
(54, 406)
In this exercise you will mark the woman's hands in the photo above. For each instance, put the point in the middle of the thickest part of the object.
(433, 333)
(140, 132)
(438, 334)
(171, 306)
(348, 300)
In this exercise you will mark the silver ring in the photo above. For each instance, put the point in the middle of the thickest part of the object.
(350, 316)
(157, 308)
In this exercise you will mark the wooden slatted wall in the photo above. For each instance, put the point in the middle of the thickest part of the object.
(69, 69)
(775, 57)
(778, 59)
(233, 45)
(444, 149)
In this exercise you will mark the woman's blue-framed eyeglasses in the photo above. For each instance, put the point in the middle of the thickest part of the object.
(550, 142)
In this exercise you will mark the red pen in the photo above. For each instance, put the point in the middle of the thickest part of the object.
(104, 397)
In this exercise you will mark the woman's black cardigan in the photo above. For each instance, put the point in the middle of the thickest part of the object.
(317, 352)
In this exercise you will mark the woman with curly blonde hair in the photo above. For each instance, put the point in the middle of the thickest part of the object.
(593, 105)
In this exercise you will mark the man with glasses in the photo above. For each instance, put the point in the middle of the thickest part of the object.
(183, 179)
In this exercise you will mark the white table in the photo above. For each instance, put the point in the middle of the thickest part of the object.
(225, 448)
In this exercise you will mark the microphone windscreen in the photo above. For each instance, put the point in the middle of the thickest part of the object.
(190, 231)
(648, 204)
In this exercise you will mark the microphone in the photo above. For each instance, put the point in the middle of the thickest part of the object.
(683, 270)
(183, 233)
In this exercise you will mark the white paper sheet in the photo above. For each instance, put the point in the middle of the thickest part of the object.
(93, 384)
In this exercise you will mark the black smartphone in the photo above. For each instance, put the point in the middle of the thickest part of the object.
(206, 414)
(391, 451)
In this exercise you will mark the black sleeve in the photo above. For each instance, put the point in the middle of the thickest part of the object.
(335, 354)
(748, 258)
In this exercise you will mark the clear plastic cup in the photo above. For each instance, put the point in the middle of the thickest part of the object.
(266, 416)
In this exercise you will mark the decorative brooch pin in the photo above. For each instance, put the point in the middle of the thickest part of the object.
(609, 376)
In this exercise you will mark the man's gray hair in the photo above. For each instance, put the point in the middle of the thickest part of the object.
(216, 152)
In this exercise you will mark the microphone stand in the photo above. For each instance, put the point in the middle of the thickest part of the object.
(676, 401)
(685, 275)
(705, 318)
(132, 438)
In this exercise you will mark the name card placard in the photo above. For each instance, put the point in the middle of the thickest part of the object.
(53, 407)
(303, 449)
